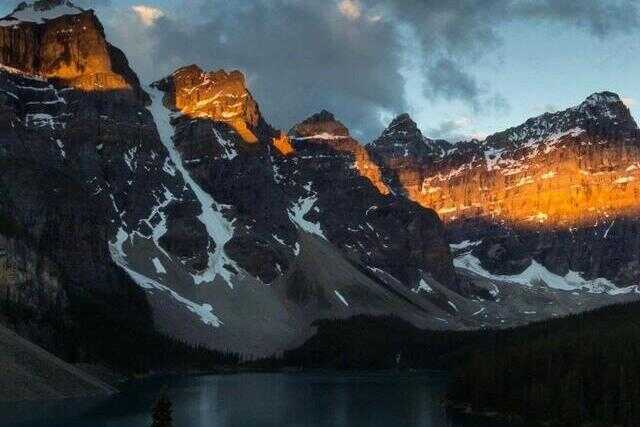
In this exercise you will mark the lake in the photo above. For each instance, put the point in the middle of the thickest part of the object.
(262, 400)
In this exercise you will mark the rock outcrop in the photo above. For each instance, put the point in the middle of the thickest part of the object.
(325, 129)
(218, 96)
(59, 41)
(79, 163)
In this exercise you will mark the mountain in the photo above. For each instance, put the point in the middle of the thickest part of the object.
(74, 126)
(556, 194)
(278, 209)
(66, 44)
(185, 212)
(30, 373)
(177, 216)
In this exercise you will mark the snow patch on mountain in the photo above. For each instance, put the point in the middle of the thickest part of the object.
(422, 287)
(624, 180)
(324, 136)
(21, 73)
(341, 298)
(465, 244)
(158, 266)
(61, 147)
(203, 311)
(218, 227)
(230, 152)
(32, 12)
(383, 275)
(537, 273)
(301, 208)
(159, 229)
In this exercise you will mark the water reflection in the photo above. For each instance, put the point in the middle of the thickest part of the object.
(261, 400)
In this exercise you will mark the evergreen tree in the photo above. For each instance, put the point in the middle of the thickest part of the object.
(162, 412)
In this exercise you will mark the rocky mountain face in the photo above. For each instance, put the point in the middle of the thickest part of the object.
(371, 225)
(236, 235)
(219, 96)
(56, 40)
(78, 161)
(560, 189)
(183, 211)
(324, 128)
(278, 211)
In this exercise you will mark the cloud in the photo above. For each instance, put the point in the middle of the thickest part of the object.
(629, 102)
(448, 80)
(449, 129)
(599, 17)
(462, 128)
(302, 56)
(299, 57)
(350, 9)
(452, 34)
(148, 15)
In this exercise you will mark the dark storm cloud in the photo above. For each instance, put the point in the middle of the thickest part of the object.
(301, 56)
(455, 32)
(600, 17)
(451, 130)
(448, 80)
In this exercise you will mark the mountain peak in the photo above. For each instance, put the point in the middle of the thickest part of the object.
(323, 129)
(39, 12)
(66, 44)
(322, 125)
(401, 131)
(604, 97)
(322, 116)
(607, 107)
(403, 139)
(402, 127)
(42, 5)
(194, 73)
(602, 112)
(403, 120)
(220, 95)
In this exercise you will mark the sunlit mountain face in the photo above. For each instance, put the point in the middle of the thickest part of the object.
(558, 170)
(71, 48)
(218, 96)
(574, 171)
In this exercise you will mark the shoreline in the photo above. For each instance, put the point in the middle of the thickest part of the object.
(464, 408)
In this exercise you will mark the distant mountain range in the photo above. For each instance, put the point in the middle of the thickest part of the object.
(180, 208)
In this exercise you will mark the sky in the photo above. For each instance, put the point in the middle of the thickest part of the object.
(462, 68)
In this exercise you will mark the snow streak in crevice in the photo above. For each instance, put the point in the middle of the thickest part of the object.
(218, 227)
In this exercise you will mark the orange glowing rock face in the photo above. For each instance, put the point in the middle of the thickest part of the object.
(71, 50)
(581, 180)
(283, 144)
(368, 168)
(565, 169)
(219, 96)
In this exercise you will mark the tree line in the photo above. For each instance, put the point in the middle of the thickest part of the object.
(577, 371)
